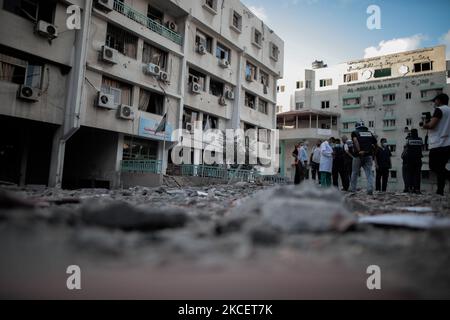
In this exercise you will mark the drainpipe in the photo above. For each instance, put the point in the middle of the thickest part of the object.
(74, 97)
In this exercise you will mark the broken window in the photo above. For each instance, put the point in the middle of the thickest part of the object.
(424, 66)
(139, 149)
(197, 77)
(237, 21)
(222, 52)
(264, 78)
(154, 55)
(250, 100)
(122, 41)
(189, 118)
(155, 14)
(204, 40)
(216, 88)
(257, 37)
(151, 102)
(349, 77)
(262, 106)
(33, 10)
(210, 122)
(251, 72)
(120, 90)
(20, 71)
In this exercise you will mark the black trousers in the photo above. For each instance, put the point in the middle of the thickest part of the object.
(439, 158)
(405, 177)
(340, 170)
(299, 173)
(414, 175)
(381, 180)
(315, 171)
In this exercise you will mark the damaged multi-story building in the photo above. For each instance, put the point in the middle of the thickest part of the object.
(80, 107)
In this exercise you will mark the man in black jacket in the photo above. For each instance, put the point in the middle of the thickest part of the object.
(383, 164)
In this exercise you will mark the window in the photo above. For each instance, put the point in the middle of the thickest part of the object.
(264, 77)
(33, 10)
(349, 77)
(352, 101)
(216, 88)
(308, 84)
(210, 122)
(189, 117)
(120, 90)
(389, 97)
(155, 14)
(154, 55)
(381, 73)
(122, 41)
(236, 21)
(299, 85)
(299, 105)
(250, 100)
(371, 124)
(279, 109)
(325, 126)
(198, 77)
(210, 5)
(151, 102)
(222, 52)
(424, 66)
(139, 149)
(408, 96)
(203, 39)
(251, 72)
(262, 106)
(409, 122)
(274, 51)
(257, 38)
(326, 82)
(389, 123)
(370, 101)
(325, 104)
(345, 126)
(20, 71)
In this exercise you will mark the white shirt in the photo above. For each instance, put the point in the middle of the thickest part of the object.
(326, 157)
(440, 135)
(316, 155)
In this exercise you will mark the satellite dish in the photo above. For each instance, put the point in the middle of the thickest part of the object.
(403, 70)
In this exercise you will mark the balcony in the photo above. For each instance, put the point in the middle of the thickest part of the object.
(351, 106)
(142, 19)
(389, 103)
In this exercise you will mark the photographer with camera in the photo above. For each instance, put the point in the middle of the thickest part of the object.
(439, 140)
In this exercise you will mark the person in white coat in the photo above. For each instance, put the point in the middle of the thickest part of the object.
(326, 162)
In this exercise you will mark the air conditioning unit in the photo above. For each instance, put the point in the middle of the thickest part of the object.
(109, 55)
(224, 63)
(46, 29)
(201, 48)
(105, 100)
(172, 25)
(106, 5)
(229, 94)
(222, 101)
(195, 88)
(189, 127)
(125, 112)
(28, 93)
(152, 69)
(164, 76)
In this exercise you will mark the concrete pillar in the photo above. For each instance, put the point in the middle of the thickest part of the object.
(24, 157)
(57, 159)
(238, 100)
(117, 182)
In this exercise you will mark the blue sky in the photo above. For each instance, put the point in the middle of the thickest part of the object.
(335, 30)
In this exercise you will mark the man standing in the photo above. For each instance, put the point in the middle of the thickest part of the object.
(315, 162)
(348, 162)
(383, 165)
(364, 144)
(439, 140)
(413, 158)
(339, 166)
(303, 157)
(326, 163)
(297, 164)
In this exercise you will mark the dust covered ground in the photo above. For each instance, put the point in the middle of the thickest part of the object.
(237, 241)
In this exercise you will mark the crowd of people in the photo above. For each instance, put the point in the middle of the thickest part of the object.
(338, 162)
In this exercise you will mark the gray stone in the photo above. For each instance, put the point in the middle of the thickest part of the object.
(121, 215)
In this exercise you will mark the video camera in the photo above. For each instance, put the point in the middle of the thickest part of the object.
(426, 117)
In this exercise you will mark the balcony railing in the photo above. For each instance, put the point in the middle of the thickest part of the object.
(142, 19)
(142, 166)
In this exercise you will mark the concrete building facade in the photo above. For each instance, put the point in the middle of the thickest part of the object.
(106, 87)
(390, 93)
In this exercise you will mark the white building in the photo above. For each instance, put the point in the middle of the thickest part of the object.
(390, 93)
(104, 89)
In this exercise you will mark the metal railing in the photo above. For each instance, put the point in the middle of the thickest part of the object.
(142, 166)
(228, 174)
(142, 19)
